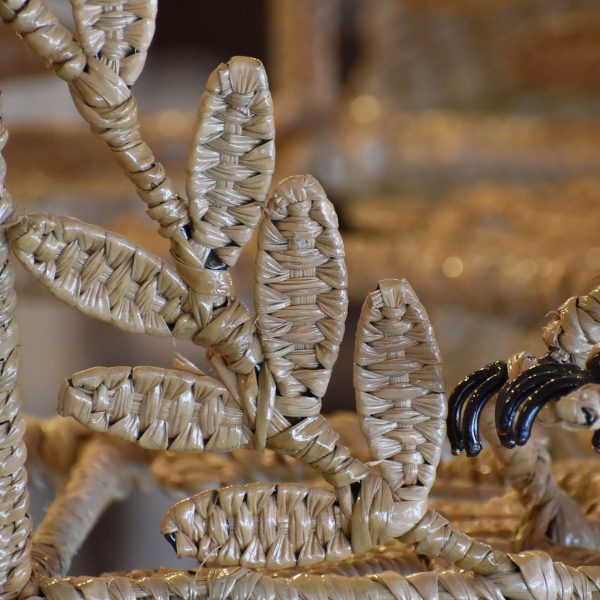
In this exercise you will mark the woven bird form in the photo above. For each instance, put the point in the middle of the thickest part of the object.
(349, 527)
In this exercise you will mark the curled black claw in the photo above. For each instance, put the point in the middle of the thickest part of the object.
(552, 389)
(474, 408)
(513, 395)
(462, 391)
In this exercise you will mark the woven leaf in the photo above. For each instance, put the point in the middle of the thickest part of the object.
(232, 157)
(300, 293)
(399, 388)
(103, 275)
(259, 525)
(161, 409)
(117, 32)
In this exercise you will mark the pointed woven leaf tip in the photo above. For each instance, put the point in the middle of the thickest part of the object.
(300, 293)
(103, 275)
(117, 32)
(160, 409)
(258, 525)
(400, 390)
(231, 159)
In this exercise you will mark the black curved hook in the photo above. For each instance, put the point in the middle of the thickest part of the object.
(475, 406)
(513, 395)
(459, 396)
(552, 389)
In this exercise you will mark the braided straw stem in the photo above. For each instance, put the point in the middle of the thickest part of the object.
(533, 576)
(15, 524)
(105, 471)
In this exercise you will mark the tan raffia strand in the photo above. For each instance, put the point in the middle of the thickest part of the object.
(15, 524)
(160, 408)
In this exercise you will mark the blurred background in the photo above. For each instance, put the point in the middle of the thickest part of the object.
(458, 139)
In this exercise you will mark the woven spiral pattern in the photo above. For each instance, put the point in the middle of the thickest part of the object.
(400, 391)
(574, 328)
(232, 157)
(259, 525)
(118, 32)
(300, 293)
(15, 524)
(103, 275)
(160, 409)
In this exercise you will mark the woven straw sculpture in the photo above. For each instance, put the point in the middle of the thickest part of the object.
(338, 524)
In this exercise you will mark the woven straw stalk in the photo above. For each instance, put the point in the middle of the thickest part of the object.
(15, 524)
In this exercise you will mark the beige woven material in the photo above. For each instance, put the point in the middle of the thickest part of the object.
(273, 369)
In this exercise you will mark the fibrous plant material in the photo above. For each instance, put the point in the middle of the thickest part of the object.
(369, 520)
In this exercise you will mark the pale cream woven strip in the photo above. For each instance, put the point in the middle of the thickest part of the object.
(400, 392)
(104, 275)
(118, 32)
(105, 471)
(161, 409)
(231, 159)
(15, 524)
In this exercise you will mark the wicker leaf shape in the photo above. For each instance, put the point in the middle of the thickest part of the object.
(103, 275)
(232, 157)
(117, 32)
(300, 293)
(400, 391)
(161, 409)
(259, 525)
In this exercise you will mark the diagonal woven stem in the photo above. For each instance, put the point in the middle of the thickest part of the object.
(15, 524)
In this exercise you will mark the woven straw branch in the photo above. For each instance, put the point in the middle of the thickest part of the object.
(105, 471)
(104, 100)
(300, 294)
(557, 581)
(15, 524)
(160, 409)
(400, 393)
(231, 159)
(116, 32)
(104, 275)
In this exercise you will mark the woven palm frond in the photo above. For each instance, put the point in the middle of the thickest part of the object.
(103, 275)
(232, 157)
(300, 293)
(158, 408)
(259, 525)
(400, 390)
(117, 32)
